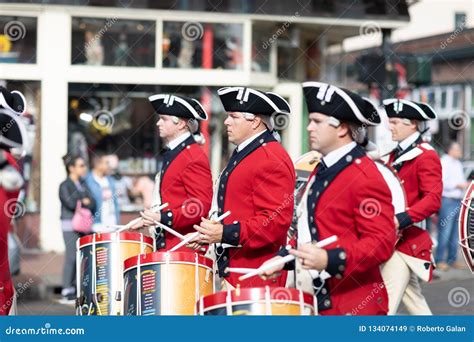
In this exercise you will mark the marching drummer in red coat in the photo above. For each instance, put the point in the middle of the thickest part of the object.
(185, 180)
(419, 168)
(12, 135)
(346, 196)
(256, 186)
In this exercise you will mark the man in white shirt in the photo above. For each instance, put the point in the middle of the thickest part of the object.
(454, 184)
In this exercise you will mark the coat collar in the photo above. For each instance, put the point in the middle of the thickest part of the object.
(170, 155)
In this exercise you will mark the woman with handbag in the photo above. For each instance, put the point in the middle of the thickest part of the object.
(77, 205)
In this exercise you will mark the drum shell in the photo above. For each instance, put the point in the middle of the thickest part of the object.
(167, 288)
(111, 250)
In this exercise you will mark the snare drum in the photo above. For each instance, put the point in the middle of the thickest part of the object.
(99, 270)
(269, 301)
(170, 283)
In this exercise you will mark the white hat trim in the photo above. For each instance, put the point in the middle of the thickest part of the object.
(408, 103)
(345, 97)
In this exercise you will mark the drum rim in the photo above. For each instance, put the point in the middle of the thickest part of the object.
(175, 257)
(260, 301)
(249, 294)
(107, 237)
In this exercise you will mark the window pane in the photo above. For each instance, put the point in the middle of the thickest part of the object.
(262, 41)
(17, 39)
(113, 42)
(456, 102)
(191, 45)
(459, 20)
(443, 98)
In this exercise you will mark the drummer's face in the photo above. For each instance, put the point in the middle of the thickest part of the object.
(401, 129)
(167, 128)
(322, 135)
(239, 128)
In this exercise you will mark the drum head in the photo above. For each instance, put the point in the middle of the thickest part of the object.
(110, 237)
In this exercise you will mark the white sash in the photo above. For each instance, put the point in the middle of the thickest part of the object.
(156, 196)
(304, 278)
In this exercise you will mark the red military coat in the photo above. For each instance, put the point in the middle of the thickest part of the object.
(186, 184)
(257, 187)
(419, 168)
(7, 208)
(351, 200)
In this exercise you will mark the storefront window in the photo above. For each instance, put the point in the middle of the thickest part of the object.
(17, 39)
(113, 42)
(262, 41)
(192, 45)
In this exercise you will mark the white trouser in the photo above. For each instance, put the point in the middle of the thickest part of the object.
(13, 309)
(402, 285)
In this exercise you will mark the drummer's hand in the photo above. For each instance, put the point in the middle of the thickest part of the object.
(86, 201)
(210, 231)
(149, 217)
(194, 244)
(311, 257)
(138, 225)
(272, 272)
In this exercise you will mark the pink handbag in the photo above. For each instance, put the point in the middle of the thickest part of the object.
(82, 220)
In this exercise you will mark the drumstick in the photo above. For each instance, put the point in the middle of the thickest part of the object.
(285, 259)
(192, 236)
(169, 230)
(154, 208)
(242, 270)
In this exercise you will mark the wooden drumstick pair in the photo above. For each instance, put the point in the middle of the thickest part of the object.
(252, 272)
(194, 235)
(133, 222)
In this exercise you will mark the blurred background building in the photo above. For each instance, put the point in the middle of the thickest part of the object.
(87, 68)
